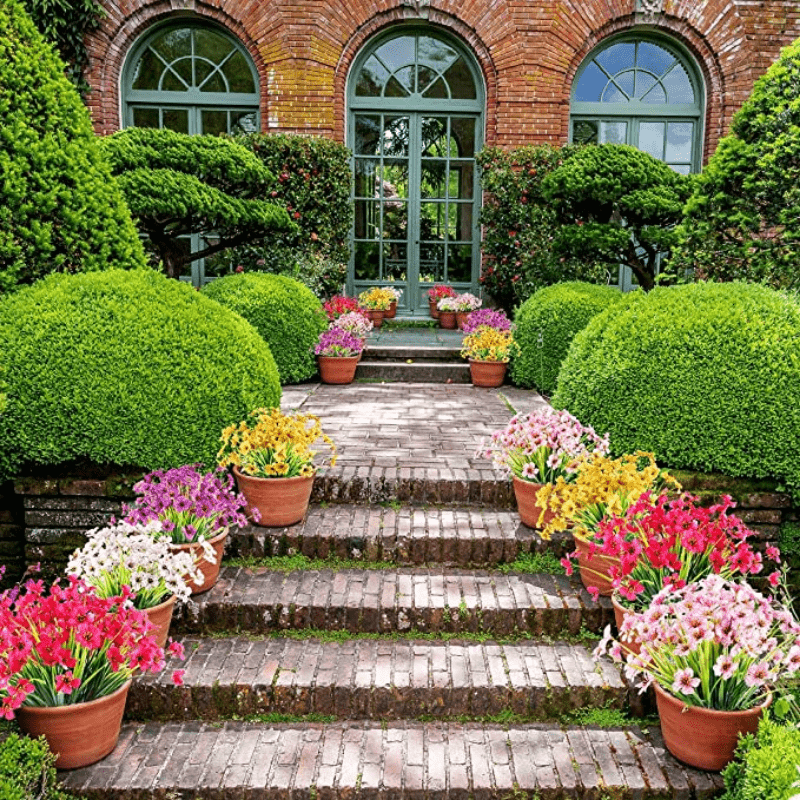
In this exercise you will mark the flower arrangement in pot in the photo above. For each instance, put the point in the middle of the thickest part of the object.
(489, 350)
(435, 294)
(447, 307)
(376, 301)
(137, 557)
(66, 661)
(196, 510)
(600, 486)
(339, 305)
(355, 323)
(712, 649)
(465, 304)
(271, 456)
(338, 352)
(487, 317)
(537, 449)
(396, 294)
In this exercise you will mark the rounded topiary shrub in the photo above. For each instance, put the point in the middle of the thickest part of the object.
(284, 311)
(127, 368)
(707, 376)
(546, 324)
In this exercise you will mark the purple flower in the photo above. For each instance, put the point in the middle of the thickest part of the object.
(489, 317)
(338, 343)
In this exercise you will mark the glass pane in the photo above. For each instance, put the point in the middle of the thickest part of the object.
(459, 222)
(462, 137)
(613, 94)
(584, 132)
(202, 69)
(435, 53)
(214, 122)
(459, 263)
(651, 139)
(173, 44)
(656, 95)
(372, 78)
(366, 261)
(613, 132)
(244, 122)
(406, 78)
(462, 180)
(435, 143)
(394, 88)
(644, 82)
(183, 68)
(616, 58)
(395, 219)
(395, 178)
(433, 183)
(425, 76)
(145, 118)
(170, 82)
(460, 81)
(678, 86)
(431, 261)
(437, 90)
(684, 169)
(395, 136)
(395, 261)
(148, 71)
(397, 52)
(367, 215)
(432, 221)
(237, 71)
(653, 58)
(624, 81)
(590, 84)
(211, 45)
(679, 141)
(216, 83)
(367, 135)
(366, 177)
(176, 119)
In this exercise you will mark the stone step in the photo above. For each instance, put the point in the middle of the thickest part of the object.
(412, 371)
(460, 536)
(376, 679)
(375, 761)
(401, 353)
(260, 600)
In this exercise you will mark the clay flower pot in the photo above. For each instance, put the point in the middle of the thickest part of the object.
(529, 509)
(80, 734)
(461, 318)
(595, 569)
(338, 370)
(620, 612)
(487, 374)
(377, 316)
(210, 571)
(447, 319)
(392, 312)
(161, 617)
(433, 309)
(280, 501)
(702, 737)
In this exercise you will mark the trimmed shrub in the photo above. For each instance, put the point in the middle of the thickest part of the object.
(124, 368)
(286, 314)
(27, 771)
(546, 324)
(60, 209)
(706, 376)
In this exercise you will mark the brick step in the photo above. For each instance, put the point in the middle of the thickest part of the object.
(259, 600)
(369, 679)
(460, 536)
(412, 371)
(374, 761)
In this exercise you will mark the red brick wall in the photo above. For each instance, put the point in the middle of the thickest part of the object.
(529, 51)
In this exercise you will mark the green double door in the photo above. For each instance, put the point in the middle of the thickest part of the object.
(416, 202)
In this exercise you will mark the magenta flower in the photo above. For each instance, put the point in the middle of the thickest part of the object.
(338, 343)
(489, 317)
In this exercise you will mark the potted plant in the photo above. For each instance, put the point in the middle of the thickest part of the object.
(355, 323)
(138, 557)
(66, 661)
(396, 294)
(447, 307)
(712, 649)
(377, 302)
(488, 351)
(536, 449)
(273, 462)
(600, 486)
(465, 304)
(196, 510)
(338, 305)
(338, 352)
(435, 294)
(488, 317)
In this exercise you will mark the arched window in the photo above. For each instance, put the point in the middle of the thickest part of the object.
(191, 78)
(641, 92)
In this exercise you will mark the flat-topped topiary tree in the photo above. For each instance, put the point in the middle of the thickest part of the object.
(124, 368)
(60, 210)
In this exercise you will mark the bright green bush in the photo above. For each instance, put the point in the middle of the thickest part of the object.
(27, 771)
(546, 324)
(707, 376)
(124, 368)
(286, 314)
(60, 210)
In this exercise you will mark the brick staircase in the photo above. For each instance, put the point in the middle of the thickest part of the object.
(443, 674)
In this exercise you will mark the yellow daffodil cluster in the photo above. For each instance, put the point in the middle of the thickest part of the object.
(270, 444)
(600, 486)
(377, 299)
(489, 344)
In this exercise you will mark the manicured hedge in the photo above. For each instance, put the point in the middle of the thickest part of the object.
(60, 210)
(286, 314)
(707, 376)
(124, 368)
(546, 324)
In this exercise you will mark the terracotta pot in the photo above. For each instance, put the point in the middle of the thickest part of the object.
(461, 318)
(620, 612)
(210, 571)
(338, 370)
(392, 312)
(79, 734)
(280, 501)
(595, 569)
(702, 737)
(447, 319)
(433, 310)
(529, 509)
(377, 316)
(161, 617)
(488, 374)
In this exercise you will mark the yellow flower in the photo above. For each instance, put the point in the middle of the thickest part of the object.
(489, 344)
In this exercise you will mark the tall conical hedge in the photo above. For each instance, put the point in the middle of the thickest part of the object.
(60, 210)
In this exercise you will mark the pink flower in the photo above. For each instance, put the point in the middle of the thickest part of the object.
(757, 674)
(685, 681)
(594, 592)
(177, 677)
(724, 667)
(774, 578)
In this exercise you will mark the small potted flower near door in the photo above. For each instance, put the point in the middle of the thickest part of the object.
(435, 294)
(377, 302)
(489, 351)
(465, 304)
(338, 352)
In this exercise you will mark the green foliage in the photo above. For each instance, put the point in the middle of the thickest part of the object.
(284, 312)
(124, 368)
(519, 225)
(313, 184)
(618, 205)
(765, 767)
(743, 220)
(534, 564)
(546, 324)
(706, 376)
(178, 185)
(27, 771)
(60, 211)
